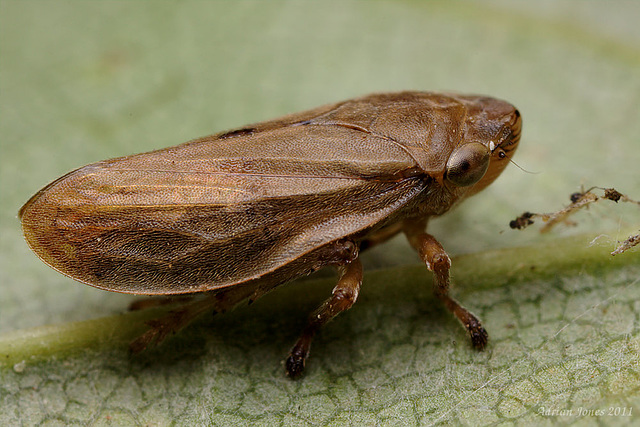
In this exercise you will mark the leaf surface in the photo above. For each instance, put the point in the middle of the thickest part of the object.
(85, 81)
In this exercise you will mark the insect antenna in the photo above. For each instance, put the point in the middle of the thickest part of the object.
(522, 169)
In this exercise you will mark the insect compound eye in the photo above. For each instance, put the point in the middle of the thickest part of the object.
(467, 164)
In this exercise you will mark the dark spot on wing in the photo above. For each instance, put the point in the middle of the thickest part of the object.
(237, 132)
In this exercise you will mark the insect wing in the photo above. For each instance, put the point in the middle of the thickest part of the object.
(217, 211)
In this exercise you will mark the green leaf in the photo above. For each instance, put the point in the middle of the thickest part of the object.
(84, 81)
(564, 342)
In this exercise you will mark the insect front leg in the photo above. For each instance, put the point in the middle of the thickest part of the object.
(343, 296)
(437, 260)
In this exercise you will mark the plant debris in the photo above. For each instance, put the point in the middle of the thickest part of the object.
(579, 200)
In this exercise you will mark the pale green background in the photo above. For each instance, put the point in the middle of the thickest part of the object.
(84, 81)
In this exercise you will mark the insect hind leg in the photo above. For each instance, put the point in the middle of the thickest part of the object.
(146, 303)
(343, 296)
(187, 309)
(172, 322)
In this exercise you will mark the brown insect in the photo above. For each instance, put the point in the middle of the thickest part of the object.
(235, 214)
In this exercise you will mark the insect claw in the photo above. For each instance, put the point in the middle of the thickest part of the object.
(479, 337)
(295, 365)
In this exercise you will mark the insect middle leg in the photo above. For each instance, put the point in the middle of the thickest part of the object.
(437, 260)
(343, 296)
